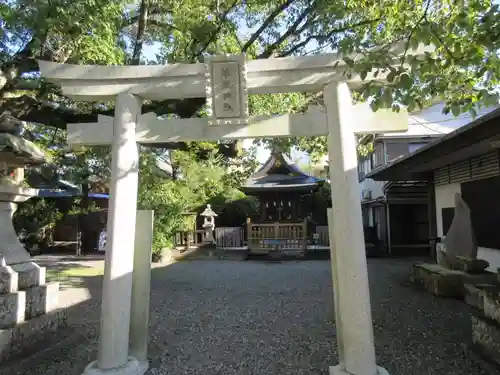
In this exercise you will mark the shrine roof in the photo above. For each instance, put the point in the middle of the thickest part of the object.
(279, 173)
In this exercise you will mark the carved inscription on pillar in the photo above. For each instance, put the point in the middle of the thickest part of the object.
(226, 90)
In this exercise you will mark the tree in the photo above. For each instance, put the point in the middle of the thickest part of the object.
(463, 70)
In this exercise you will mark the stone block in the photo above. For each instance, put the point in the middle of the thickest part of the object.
(12, 309)
(486, 338)
(444, 282)
(30, 336)
(29, 274)
(41, 299)
(9, 280)
(474, 296)
(491, 302)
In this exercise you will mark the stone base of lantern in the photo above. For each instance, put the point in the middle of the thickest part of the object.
(444, 282)
(133, 367)
(28, 309)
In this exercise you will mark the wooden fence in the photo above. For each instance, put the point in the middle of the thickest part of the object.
(229, 237)
(323, 237)
(188, 239)
(285, 236)
(276, 236)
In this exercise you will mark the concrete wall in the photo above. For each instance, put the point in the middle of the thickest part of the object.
(490, 255)
(445, 197)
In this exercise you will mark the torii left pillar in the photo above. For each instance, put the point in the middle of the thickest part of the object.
(113, 356)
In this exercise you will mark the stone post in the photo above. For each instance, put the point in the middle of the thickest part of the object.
(113, 357)
(336, 290)
(355, 327)
(141, 287)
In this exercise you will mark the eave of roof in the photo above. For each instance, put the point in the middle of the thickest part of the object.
(441, 143)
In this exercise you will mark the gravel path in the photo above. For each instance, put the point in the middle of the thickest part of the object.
(242, 318)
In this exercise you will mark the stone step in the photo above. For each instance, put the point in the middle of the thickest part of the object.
(30, 336)
(486, 338)
(41, 299)
(486, 298)
(444, 282)
(26, 304)
(12, 309)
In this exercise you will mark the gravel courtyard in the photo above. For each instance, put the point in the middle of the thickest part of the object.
(242, 318)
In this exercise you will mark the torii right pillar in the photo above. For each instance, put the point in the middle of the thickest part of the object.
(354, 324)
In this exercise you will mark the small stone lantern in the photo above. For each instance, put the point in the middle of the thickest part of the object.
(209, 224)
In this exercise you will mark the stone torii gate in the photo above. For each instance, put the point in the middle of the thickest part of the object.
(226, 82)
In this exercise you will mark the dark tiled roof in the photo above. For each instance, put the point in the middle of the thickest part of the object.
(280, 173)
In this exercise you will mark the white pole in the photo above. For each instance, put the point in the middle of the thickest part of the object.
(141, 287)
(117, 286)
(355, 326)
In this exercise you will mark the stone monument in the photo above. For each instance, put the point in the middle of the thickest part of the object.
(458, 251)
(208, 225)
(456, 257)
(27, 303)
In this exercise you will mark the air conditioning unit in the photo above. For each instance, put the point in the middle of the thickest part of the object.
(366, 194)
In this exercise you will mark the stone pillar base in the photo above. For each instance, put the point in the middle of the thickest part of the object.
(133, 367)
(340, 370)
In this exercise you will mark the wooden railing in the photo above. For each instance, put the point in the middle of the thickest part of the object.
(276, 236)
(229, 237)
(187, 239)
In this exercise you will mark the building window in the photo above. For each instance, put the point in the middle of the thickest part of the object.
(378, 155)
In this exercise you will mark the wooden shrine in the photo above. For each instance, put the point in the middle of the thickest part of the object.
(284, 192)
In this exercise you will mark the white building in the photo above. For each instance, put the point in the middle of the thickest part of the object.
(465, 161)
(398, 210)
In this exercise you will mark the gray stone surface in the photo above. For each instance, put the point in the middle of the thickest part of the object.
(8, 280)
(259, 318)
(28, 336)
(29, 274)
(460, 239)
(41, 299)
(12, 308)
(445, 282)
(486, 338)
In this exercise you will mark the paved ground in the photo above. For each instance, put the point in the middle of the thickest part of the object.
(271, 318)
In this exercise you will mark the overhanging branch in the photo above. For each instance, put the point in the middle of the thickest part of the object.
(29, 109)
(270, 19)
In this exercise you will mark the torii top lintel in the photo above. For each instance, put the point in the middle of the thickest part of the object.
(178, 81)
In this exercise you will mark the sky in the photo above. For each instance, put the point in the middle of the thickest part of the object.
(149, 53)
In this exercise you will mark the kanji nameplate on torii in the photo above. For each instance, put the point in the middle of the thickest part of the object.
(226, 90)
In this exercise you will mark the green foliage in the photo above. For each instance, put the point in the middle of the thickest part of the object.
(463, 70)
(34, 221)
(200, 182)
(233, 208)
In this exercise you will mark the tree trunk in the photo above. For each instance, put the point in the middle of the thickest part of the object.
(141, 29)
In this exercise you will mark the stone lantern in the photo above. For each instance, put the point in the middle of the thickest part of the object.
(209, 224)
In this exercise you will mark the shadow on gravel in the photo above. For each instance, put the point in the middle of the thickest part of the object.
(252, 318)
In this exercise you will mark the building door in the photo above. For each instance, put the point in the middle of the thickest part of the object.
(483, 198)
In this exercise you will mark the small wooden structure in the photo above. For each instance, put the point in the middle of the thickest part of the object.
(284, 193)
